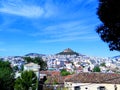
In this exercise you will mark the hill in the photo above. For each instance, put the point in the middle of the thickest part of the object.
(34, 54)
(116, 57)
(68, 51)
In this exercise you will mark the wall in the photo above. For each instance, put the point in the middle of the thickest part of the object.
(90, 86)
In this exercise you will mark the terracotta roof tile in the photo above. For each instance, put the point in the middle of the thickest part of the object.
(95, 78)
(55, 76)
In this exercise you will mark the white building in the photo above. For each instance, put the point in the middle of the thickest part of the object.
(34, 67)
(93, 81)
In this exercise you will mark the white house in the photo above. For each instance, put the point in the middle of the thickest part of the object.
(93, 81)
(34, 67)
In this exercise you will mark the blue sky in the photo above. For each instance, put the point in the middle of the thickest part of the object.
(50, 26)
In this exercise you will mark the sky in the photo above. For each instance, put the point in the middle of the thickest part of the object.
(49, 27)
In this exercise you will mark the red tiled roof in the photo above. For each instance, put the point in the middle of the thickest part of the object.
(55, 76)
(95, 78)
(50, 73)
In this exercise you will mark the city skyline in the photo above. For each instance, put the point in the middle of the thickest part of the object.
(50, 26)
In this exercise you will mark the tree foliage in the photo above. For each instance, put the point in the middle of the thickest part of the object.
(68, 53)
(64, 72)
(6, 76)
(96, 69)
(37, 60)
(27, 81)
(15, 68)
(103, 64)
(109, 31)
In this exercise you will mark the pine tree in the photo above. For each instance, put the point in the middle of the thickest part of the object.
(109, 31)
(27, 81)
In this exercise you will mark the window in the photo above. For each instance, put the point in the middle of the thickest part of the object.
(77, 88)
(115, 86)
(101, 88)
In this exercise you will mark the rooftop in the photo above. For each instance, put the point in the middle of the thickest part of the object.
(95, 78)
(32, 64)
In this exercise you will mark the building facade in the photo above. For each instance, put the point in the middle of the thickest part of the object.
(34, 67)
(94, 81)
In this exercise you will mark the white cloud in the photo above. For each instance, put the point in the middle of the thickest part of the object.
(32, 10)
(61, 31)
(21, 9)
(50, 9)
(67, 39)
(67, 31)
